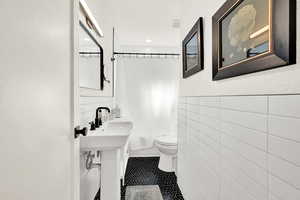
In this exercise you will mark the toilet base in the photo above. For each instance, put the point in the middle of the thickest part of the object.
(166, 163)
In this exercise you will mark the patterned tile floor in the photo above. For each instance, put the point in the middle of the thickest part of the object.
(144, 171)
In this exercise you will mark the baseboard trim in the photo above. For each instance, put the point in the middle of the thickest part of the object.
(144, 156)
(181, 189)
(150, 152)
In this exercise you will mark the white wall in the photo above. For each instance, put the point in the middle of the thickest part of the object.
(88, 106)
(35, 102)
(278, 81)
(232, 146)
(239, 147)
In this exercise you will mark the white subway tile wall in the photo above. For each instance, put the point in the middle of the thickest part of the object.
(88, 106)
(239, 147)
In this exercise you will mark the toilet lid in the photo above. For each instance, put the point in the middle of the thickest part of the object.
(167, 140)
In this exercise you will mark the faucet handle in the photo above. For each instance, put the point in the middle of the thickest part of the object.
(98, 122)
(93, 126)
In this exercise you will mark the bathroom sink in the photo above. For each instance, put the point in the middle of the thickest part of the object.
(114, 134)
(119, 125)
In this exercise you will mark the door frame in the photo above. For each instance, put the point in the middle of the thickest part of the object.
(75, 157)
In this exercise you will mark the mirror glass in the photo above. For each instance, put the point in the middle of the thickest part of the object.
(89, 61)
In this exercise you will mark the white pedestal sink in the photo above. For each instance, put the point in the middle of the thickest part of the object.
(113, 134)
(110, 140)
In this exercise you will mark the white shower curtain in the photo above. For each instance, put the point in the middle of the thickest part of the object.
(146, 91)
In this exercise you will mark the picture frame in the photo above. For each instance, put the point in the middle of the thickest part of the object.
(193, 50)
(265, 42)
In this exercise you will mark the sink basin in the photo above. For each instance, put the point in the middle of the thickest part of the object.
(119, 125)
(112, 135)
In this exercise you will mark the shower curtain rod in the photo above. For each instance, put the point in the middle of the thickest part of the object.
(89, 52)
(146, 54)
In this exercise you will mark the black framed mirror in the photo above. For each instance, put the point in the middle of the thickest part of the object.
(91, 62)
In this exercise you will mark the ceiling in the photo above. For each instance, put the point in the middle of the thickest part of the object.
(147, 23)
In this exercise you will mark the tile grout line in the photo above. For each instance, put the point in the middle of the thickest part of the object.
(274, 175)
(230, 122)
(241, 141)
(245, 143)
(228, 108)
(285, 160)
(284, 181)
(245, 157)
(234, 137)
(204, 135)
(244, 187)
(268, 131)
(190, 116)
(220, 149)
(284, 138)
(284, 116)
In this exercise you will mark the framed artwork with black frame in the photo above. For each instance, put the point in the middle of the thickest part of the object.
(253, 35)
(193, 50)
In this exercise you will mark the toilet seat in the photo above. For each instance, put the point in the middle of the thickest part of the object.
(166, 140)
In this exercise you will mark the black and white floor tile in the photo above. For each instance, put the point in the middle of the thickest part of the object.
(144, 171)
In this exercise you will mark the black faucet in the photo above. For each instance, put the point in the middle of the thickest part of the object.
(98, 121)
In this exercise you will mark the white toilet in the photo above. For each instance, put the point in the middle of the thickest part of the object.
(167, 146)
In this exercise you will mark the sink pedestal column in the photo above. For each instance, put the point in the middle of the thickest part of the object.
(110, 175)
